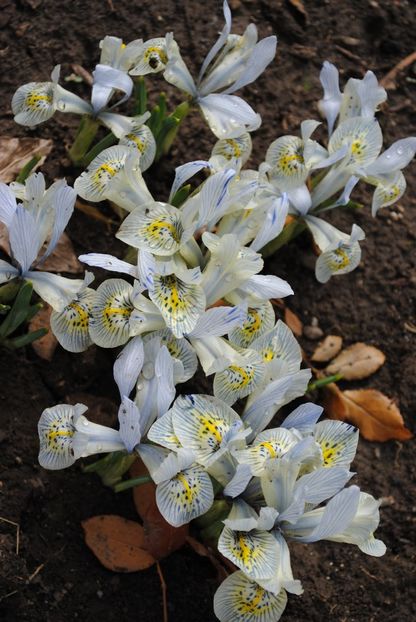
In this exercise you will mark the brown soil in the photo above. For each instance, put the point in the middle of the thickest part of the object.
(54, 577)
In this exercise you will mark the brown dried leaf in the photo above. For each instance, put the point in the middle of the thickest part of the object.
(357, 362)
(161, 539)
(299, 7)
(294, 323)
(375, 414)
(327, 349)
(45, 346)
(63, 258)
(16, 152)
(117, 543)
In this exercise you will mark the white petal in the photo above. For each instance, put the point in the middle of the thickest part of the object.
(185, 497)
(71, 325)
(240, 599)
(109, 326)
(255, 552)
(396, 157)
(262, 55)
(303, 418)
(58, 291)
(228, 116)
(338, 442)
(331, 103)
(128, 365)
(8, 204)
(129, 419)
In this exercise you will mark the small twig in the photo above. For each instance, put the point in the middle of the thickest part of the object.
(389, 79)
(348, 54)
(82, 73)
(8, 595)
(365, 571)
(398, 452)
(11, 522)
(36, 572)
(164, 592)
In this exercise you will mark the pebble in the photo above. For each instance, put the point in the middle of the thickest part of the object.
(313, 332)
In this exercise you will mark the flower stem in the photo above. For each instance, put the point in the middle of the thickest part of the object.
(131, 483)
(87, 131)
(322, 382)
(290, 231)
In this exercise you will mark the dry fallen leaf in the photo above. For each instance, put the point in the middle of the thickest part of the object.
(357, 362)
(161, 539)
(294, 323)
(299, 7)
(375, 414)
(16, 152)
(63, 258)
(118, 543)
(327, 349)
(45, 346)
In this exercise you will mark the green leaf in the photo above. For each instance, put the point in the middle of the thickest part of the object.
(27, 169)
(108, 141)
(19, 311)
(24, 340)
(181, 195)
(112, 467)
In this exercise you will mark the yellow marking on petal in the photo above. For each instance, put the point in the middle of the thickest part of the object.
(330, 451)
(137, 141)
(234, 147)
(208, 425)
(158, 227)
(59, 433)
(83, 316)
(268, 355)
(33, 100)
(341, 260)
(245, 376)
(247, 213)
(253, 322)
(289, 163)
(182, 479)
(253, 605)
(270, 448)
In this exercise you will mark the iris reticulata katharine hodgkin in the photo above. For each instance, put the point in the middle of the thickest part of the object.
(189, 292)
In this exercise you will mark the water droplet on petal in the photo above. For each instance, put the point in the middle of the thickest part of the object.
(61, 105)
(148, 370)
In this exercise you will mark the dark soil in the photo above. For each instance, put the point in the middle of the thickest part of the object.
(54, 577)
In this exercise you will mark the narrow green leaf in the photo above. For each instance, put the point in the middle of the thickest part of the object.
(19, 311)
(181, 195)
(24, 340)
(27, 169)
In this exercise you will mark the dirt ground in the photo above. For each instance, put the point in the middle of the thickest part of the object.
(54, 577)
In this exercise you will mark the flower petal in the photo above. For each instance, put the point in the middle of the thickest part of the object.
(240, 599)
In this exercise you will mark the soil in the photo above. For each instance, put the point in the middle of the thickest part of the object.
(53, 576)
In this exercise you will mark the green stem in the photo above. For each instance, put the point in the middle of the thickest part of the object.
(108, 141)
(291, 231)
(140, 96)
(131, 483)
(27, 169)
(87, 131)
(322, 382)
